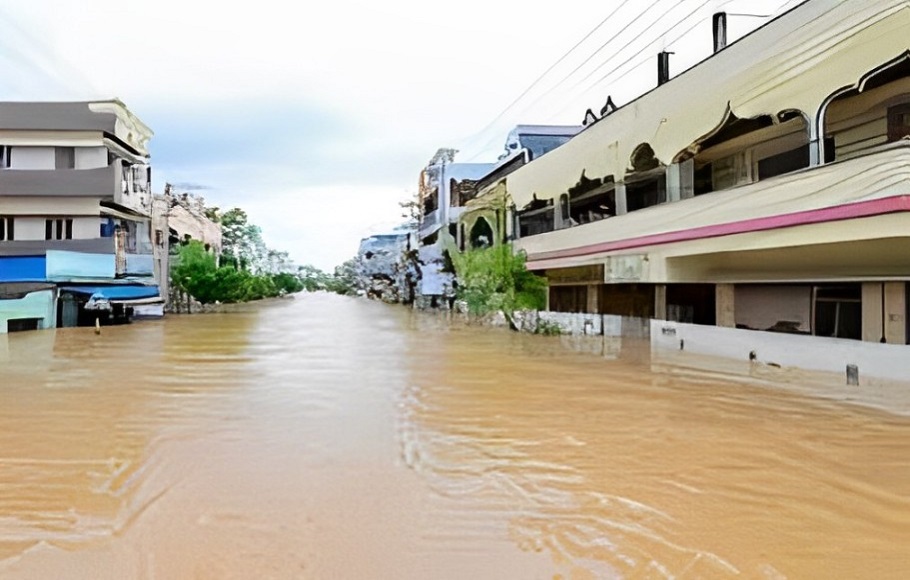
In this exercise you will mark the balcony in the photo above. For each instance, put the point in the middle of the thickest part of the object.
(135, 188)
(867, 186)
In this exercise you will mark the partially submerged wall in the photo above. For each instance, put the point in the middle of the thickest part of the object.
(39, 307)
(783, 351)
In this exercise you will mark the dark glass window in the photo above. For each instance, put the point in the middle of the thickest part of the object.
(898, 122)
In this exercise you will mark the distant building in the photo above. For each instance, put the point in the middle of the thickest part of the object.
(537, 140)
(76, 214)
(386, 266)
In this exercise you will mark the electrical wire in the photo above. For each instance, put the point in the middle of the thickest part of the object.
(615, 55)
(553, 66)
(566, 77)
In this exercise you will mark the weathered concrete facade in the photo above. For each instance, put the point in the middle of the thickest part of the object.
(776, 201)
(76, 210)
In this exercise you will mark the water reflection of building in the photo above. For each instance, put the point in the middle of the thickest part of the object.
(765, 188)
(76, 213)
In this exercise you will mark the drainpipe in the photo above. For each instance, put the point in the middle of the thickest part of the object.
(663, 67)
(720, 31)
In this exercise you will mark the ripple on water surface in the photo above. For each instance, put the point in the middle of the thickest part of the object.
(332, 437)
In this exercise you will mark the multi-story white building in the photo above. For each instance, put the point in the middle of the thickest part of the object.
(75, 213)
(765, 188)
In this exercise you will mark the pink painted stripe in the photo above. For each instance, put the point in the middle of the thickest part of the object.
(829, 214)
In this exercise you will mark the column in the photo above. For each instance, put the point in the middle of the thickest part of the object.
(872, 312)
(660, 302)
(621, 206)
(673, 183)
(895, 313)
(593, 306)
(724, 305)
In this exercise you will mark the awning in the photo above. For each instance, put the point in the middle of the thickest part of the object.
(17, 290)
(108, 211)
(116, 293)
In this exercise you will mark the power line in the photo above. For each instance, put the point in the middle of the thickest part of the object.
(566, 77)
(612, 38)
(705, 3)
(645, 48)
(615, 55)
(554, 65)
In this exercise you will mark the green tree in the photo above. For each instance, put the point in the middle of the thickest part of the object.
(197, 274)
(345, 279)
(496, 279)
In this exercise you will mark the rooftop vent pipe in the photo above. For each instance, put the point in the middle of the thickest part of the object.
(720, 31)
(663, 67)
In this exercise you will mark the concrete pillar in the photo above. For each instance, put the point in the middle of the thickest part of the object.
(816, 143)
(660, 302)
(724, 306)
(872, 312)
(896, 313)
(687, 179)
(593, 306)
(621, 205)
(673, 183)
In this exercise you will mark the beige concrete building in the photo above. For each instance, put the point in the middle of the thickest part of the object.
(766, 188)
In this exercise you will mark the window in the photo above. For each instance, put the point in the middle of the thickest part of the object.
(784, 162)
(126, 178)
(64, 157)
(5, 152)
(839, 311)
(898, 122)
(731, 171)
(7, 229)
(642, 194)
(23, 324)
(58, 229)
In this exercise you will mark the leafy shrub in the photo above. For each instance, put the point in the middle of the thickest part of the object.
(548, 328)
(496, 278)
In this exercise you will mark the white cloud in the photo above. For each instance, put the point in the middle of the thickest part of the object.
(348, 99)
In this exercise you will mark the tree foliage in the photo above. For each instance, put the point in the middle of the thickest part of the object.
(496, 278)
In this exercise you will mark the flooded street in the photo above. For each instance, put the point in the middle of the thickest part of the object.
(329, 437)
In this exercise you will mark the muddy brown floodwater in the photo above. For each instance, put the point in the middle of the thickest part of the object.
(329, 437)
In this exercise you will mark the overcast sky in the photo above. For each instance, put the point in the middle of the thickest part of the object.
(317, 118)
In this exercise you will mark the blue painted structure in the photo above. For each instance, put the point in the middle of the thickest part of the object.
(39, 305)
(23, 269)
(131, 292)
(65, 266)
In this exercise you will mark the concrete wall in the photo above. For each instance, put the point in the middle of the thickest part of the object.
(103, 182)
(31, 158)
(34, 228)
(761, 307)
(91, 157)
(62, 265)
(140, 264)
(40, 304)
(623, 326)
(881, 361)
(47, 205)
(888, 299)
(574, 323)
